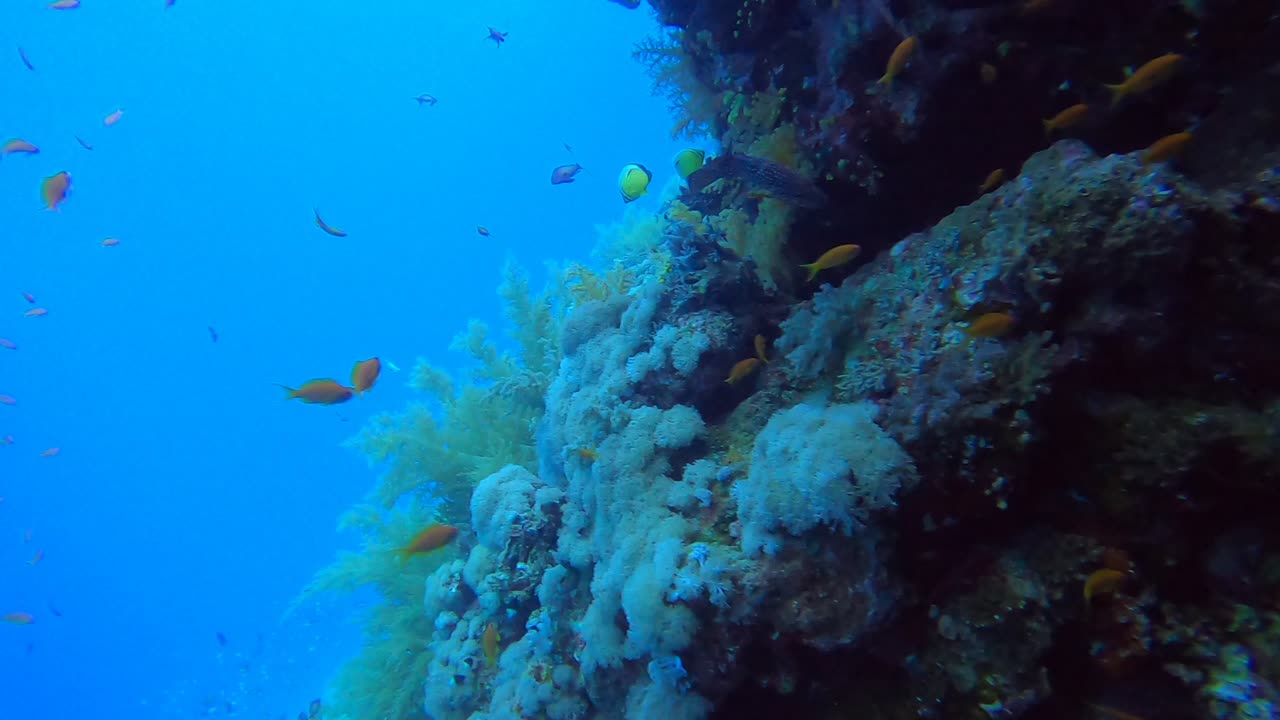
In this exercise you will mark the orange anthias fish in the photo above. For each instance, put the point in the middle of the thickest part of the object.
(741, 369)
(35, 312)
(365, 374)
(990, 325)
(19, 618)
(834, 257)
(484, 231)
(8, 344)
(35, 560)
(50, 452)
(321, 391)
(65, 5)
(54, 189)
(993, 181)
(111, 242)
(1166, 148)
(1155, 72)
(327, 227)
(113, 118)
(433, 538)
(29, 297)
(762, 349)
(898, 61)
(18, 145)
(1065, 119)
(1102, 582)
(489, 642)
(6, 400)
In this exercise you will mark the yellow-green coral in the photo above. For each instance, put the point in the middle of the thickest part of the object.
(379, 682)
(762, 240)
(783, 147)
(586, 285)
(751, 117)
(694, 105)
(681, 213)
(432, 455)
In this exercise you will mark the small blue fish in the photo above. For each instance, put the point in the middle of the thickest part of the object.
(213, 334)
(222, 639)
(425, 99)
(496, 36)
(83, 144)
(25, 60)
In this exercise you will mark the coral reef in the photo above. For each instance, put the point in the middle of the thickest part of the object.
(1020, 459)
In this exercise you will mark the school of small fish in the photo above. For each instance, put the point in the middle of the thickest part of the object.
(54, 192)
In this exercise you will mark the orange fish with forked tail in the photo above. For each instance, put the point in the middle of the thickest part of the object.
(1166, 148)
(489, 642)
(365, 374)
(898, 61)
(19, 618)
(990, 325)
(993, 181)
(835, 257)
(741, 369)
(321, 391)
(18, 145)
(1065, 119)
(1156, 72)
(432, 538)
(1102, 582)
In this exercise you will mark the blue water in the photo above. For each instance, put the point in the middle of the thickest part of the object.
(188, 499)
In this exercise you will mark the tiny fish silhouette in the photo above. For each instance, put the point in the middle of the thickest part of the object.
(327, 227)
(213, 334)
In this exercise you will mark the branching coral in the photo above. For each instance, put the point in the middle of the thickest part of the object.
(378, 683)
(434, 454)
(761, 239)
(752, 117)
(693, 103)
(465, 431)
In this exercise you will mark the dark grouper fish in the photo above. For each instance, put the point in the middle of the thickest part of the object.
(761, 176)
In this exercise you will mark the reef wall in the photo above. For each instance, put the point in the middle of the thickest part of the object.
(1020, 457)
